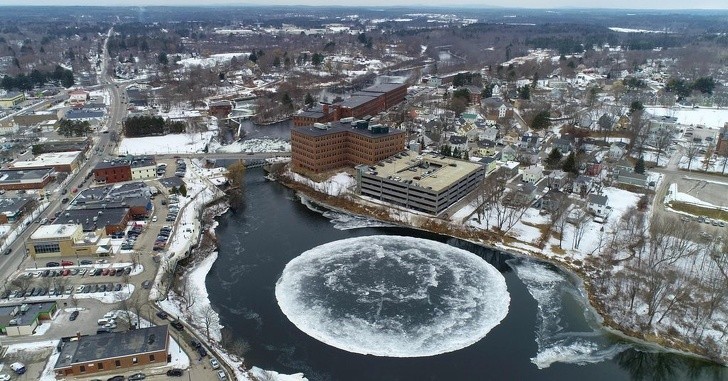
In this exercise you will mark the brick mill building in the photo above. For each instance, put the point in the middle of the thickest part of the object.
(113, 352)
(347, 143)
(368, 102)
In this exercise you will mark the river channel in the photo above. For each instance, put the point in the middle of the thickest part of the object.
(548, 333)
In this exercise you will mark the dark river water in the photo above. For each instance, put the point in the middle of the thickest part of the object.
(547, 335)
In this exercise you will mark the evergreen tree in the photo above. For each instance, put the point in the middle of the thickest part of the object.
(541, 120)
(309, 101)
(183, 190)
(163, 58)
(570, 164)
(554, 158)
(639, 166)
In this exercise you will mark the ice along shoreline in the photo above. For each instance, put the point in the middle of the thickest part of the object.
(346, 205)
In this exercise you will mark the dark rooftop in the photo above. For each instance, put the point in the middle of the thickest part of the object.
(23, 318)
(384, 87)
(83, 114)
(358, 100)
(93, 218)
(15, 176)
(342, 127)
(10, 205)
(135, 162)
(94, 348)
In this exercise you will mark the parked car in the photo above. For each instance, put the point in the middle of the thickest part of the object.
(66, 263)
(221, 375)
(8, 251)
(137, 377)
(64, 200)
(117, 287)
(177, 325)
(85, 262)
(214, 363)
(195, 344)
(162, 315)
(73, 316)
(175, 373)
(201, 350)
(115, 378)
(52, 264)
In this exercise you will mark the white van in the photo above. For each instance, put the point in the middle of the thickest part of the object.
(18, 367)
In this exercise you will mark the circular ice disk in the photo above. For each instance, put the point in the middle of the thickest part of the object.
(392, 296)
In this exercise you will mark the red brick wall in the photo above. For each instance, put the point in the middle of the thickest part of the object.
(113, 175)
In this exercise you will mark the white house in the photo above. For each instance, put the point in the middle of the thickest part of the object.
(533, 174)
(597, 205)
(616, 151)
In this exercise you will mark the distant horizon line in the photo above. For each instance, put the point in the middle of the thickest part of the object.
(461, 6)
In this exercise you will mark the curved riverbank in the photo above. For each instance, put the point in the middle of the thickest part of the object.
(492, 240)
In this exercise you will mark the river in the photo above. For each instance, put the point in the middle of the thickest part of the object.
(547, 335)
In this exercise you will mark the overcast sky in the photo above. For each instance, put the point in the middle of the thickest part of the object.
(632, 4)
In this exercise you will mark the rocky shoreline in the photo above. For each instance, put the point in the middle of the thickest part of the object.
(501, 243)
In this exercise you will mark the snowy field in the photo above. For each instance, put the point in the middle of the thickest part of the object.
(709, 117)
(651, 156)
(168, 144)
(210, 61)
(714, 165)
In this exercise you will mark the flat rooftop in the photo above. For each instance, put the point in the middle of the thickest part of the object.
(384, 87)
(10, 205)
(54, 231)
(23, 318)
(93, 348)
(426, 171)
(94, 218)
(49, 159)
(84, 114)
(357, 100)
(10, 176)
(134, 162)
(336, 127)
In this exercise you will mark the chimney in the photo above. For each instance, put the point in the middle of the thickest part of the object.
(78, 335)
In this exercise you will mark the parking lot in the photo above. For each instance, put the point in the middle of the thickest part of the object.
(82, 292)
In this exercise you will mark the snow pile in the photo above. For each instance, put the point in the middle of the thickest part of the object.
(336, 185)
(392, 296)
(262, 374)
(257, 145)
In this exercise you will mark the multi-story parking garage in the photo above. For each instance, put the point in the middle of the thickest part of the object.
(427, 183)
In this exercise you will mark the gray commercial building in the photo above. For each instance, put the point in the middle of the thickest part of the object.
(427, 183)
